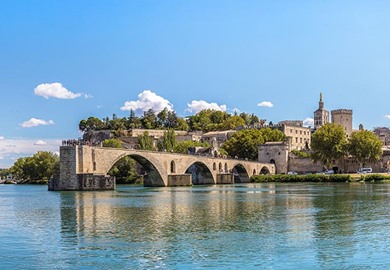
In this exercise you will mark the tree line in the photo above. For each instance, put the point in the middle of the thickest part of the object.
(205, 120)
(330, 143)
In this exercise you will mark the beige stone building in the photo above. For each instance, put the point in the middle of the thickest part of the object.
(383, 134)
(343, 117)
(300, 135)
(217, 138)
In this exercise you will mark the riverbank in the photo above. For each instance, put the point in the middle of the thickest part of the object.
(14, 182)
(284, 178)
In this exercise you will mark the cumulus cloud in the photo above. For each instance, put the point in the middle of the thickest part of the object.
(265, 104)
(198, 105)
(33, 122)
(308, 122)
(236, 110)
(12, 149)
(56, 90)
(147, 100)
(40, 142)
(387, 116)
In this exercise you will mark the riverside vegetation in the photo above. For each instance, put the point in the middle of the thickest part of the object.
(285, 178)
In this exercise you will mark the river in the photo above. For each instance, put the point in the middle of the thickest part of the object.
(251, 226)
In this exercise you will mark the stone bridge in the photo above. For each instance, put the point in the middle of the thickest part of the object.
(85, 168)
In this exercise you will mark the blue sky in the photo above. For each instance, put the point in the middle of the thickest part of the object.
(63, 61)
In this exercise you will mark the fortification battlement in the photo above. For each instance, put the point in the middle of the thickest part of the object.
(342, 111)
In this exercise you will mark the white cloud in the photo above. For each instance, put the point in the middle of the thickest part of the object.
(308, 122)
(33, 122)
(387, 116)
(236, 110)
(148, 100)
(40, 142)
(2, 138)
(56, 90)
(12, 149)
(198, 105)
(265, 104)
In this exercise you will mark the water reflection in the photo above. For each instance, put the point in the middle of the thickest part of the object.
(267, 226)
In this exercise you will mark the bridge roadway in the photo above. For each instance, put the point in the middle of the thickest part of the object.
(85, 168)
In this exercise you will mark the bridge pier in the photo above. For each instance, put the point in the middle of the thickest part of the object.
(176, 180)
(225, 178)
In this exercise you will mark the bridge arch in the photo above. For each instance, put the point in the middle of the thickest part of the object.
(153, 176)
(201, 173)
(240, 174)
(264, 170)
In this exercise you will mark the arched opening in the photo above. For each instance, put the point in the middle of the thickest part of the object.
(132, 169)
(200, 174)
(264, 170)
(254, 172)
(173, 167)
(226, 168)
(214, 166)
(272, 161)
(220, 167)
(240, 174)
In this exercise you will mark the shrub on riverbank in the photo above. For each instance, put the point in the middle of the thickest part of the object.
(285, 178)
(374, 177)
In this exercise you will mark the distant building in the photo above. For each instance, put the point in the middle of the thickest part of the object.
(383, 134)
(217, 138)
(300, 135)
(343, 117)
(321, 116)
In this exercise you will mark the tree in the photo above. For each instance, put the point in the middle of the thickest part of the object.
(113, 143)
(92, 123)
(134, 121)
(168, 142)
(365, 146)
(244, 144)
(233, 122)
(328, 143)
(145, 142)
(208, 120)
(41, 166)
(149, 121)
(124, 171)
(272, 135)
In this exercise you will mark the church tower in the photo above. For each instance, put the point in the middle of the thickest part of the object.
(321, 116)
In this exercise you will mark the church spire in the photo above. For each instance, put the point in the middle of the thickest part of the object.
(321, 103)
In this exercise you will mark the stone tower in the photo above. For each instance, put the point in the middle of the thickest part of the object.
(321, 116)
(343, 117)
